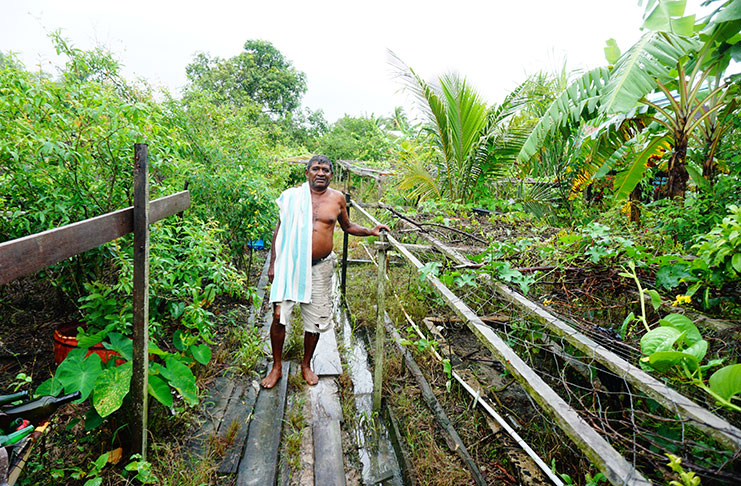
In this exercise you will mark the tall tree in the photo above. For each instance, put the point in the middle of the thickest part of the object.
(259, 75)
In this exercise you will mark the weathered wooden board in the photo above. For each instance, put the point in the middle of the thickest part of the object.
(329, 468)
(238, 415)
(214, 407)
(24, 256)
(400, 447)
(614, 466)
(326, 360)
(259, 463)
(325, 402)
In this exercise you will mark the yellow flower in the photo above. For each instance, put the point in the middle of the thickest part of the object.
(682, 299)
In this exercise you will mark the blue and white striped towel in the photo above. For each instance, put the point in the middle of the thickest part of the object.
(292, 278)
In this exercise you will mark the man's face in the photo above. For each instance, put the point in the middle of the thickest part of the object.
(318, 175)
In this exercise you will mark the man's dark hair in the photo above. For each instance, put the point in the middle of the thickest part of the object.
(322, 159)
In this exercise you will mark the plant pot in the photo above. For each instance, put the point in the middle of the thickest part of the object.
(65, 340)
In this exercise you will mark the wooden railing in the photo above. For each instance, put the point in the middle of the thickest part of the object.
(27, 255)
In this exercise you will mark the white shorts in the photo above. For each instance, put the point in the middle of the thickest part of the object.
(317, 314)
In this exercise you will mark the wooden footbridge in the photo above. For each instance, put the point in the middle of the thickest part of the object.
(253, 416)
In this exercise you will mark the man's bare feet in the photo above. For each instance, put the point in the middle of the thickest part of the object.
(272, 378)
(309, 375)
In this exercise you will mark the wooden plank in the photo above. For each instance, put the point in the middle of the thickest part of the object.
(326, 415)
(615, 468)
(140, 319)
(212, 412)
(259, 464)
(380, 328)
(725, 433)
(329, 468)
(400, 447)
(326, 359)
(236, 423)
(455, 443)
(29, 254)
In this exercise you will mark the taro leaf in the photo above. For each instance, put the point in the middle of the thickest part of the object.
(122, 344)
(663, 360)
(79, 373)
(655, 299)
(668, 276)
(111, 387)
(160, 390)
(726, 382)
(52, 387)
(181, 379)
(683, 323)
(201, 353)
(659, 339)
(92, 420)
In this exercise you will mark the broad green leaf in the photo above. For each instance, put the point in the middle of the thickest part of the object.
(683, 323)
(661, 16)
(160, 390)
(636, 72)
(79, 373)
(663, 360)
(697, 177)
(683, 26)
(52, 387)
(726, 382)
(628, 179)
(711, 364)
(668, 276)
(201, 353)
(87, 340)
(111, 387)
(93, 482)
(181, 379)
(698, 350)
(612, 51)
(122, 344)
(659, 339)
(655, 298)
(730, 12)
(178, 340)
(736, 262)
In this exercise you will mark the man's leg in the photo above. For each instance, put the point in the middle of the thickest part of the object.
(310, 341)
(277, 336)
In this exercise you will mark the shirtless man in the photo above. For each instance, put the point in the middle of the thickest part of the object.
(328, 208)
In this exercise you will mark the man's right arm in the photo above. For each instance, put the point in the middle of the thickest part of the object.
(271, 268)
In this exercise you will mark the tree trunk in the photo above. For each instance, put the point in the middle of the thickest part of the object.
(635, 205)
(678, 174)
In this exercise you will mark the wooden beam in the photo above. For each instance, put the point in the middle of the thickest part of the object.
(140, 361)
(725, 433)
(29, 254)
(380, 325)
(614, 466)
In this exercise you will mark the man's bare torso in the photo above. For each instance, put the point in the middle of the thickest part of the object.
(327, 208)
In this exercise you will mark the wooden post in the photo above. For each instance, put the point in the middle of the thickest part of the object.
(345, 241)
(380, 324)
(380, 188)
(139, 380)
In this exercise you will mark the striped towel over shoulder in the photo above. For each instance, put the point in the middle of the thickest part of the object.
(292, 279)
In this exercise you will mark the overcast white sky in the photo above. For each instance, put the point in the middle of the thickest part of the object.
(340, 44)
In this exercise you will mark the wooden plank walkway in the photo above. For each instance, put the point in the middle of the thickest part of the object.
(245, 421)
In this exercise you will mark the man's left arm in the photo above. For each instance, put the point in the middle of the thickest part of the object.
(355, 229)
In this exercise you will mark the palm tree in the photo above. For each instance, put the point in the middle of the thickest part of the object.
(460, 128)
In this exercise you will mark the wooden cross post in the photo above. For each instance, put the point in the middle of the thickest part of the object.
(345, 241)
(380, 323)
(139, 380)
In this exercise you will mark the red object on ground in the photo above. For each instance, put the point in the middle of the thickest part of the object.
(65, 340)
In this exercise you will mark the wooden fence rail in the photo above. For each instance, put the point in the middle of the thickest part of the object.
(27, 255)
